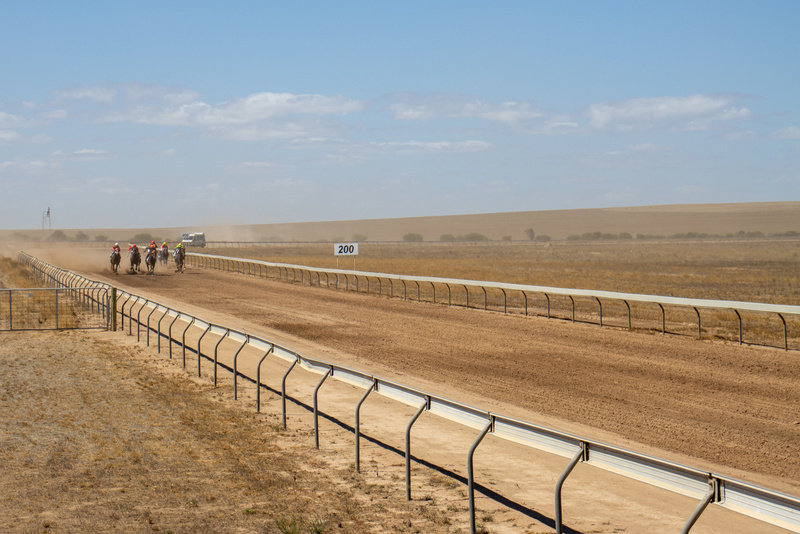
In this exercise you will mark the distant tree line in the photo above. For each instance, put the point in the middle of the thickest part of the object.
(595, 236)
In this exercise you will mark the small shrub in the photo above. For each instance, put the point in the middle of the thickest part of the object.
(412, 238)
(290, 525)
(142, 238)
(58, 235)
(474, 237)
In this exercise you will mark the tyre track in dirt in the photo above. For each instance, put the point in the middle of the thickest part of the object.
(715, 405)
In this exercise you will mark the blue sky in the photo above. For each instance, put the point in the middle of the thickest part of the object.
(147, 114)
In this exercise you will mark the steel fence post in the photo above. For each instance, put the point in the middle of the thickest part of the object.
(283, 390)
(198, 348)
(183, 341)
(425, 406)
(707, 499)
(158, 343)
(148, 324)
(600, 306)
(328, 373)
(235, 369)
(580, 456)
(169, 332)
(699, 328)
(357, 430)
(258, 378)
(471, 474)
(785, 338)
(739, 317)
(227, 333)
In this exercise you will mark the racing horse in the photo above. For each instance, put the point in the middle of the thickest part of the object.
(116, 257)
(136, 260)
(150, 260)
(163, 256)
(180, 258)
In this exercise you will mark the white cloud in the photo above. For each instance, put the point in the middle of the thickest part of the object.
(560, 125)
(410, 106)
(29, 167)
(94, 93)
(690, 112)
(55, 114)
(646, 147)
(289, 130)
(8, 120)
(89, 151)
(792, 132)
(9, 136)
(252, 109)
(742, 135)
(437, 146)
(256, 166)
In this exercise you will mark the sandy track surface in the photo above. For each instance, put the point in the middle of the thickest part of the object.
(714, 405)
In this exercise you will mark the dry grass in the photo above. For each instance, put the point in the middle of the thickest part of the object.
(15, 274)
(100, 436)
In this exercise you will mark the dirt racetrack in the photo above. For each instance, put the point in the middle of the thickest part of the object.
(720, 406)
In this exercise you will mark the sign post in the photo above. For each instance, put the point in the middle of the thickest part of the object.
(345, 249)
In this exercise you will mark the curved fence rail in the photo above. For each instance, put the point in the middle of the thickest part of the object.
(187, 332)
(406, 287)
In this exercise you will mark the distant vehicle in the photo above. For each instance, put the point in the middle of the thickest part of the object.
(194, 240)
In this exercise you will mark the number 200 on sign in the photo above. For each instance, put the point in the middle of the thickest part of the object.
(345, 249)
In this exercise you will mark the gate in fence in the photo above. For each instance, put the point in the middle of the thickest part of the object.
(54, 308)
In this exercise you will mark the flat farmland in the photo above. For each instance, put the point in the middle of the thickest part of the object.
(710, 403)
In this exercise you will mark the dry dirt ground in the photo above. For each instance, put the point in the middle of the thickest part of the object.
(717, 406)
(98, 435)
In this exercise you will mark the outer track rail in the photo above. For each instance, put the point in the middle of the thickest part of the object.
(361, 279)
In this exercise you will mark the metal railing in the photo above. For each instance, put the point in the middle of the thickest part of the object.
(172, 326)
(53, 309)
(359, 281)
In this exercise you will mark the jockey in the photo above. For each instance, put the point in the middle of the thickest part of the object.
(164, 247)
(134, 248)
(152, 248)
(114, 249)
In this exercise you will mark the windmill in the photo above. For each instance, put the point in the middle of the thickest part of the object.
(47, 223)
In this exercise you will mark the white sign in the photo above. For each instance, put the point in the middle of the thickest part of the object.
(345, 249)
